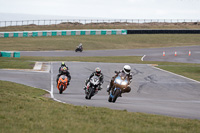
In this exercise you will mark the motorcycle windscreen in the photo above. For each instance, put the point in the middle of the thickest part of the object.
(119, 82)
(94, 80)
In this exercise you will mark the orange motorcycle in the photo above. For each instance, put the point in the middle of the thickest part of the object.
(62, 83)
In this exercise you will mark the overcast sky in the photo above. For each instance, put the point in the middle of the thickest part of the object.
(121, 9)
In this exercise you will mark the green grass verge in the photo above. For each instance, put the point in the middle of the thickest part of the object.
(186, 69)
(6, 62)
(99, 42)
(24, 109)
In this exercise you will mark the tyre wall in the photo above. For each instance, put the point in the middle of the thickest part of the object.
(9, 54)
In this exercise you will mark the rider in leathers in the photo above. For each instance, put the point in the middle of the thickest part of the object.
(125, 70)
(98, 74)
(64, 71)
(80, 46)
(63, 65)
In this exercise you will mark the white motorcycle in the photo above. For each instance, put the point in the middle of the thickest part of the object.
(92, 87)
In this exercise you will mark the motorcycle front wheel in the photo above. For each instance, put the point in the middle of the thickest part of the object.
(117, 92)
(61, 89)
(109, 99)
(91, 93)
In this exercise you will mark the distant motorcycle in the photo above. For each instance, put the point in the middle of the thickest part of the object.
(62, 83)
(92, 87)
(120, 83)
(79, 49)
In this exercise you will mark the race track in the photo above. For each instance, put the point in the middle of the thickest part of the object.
(152, 54)
(153, 90)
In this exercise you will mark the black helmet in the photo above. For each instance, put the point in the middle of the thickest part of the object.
(98, 71)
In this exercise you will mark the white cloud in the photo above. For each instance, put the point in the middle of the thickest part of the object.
(106, 8)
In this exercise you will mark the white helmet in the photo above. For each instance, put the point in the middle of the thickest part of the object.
(127, 69)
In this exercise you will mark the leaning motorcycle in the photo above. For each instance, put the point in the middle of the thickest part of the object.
(78, 49)
(92, 87)
(62, 83)
(120, 83)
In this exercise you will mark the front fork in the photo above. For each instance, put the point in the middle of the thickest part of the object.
(112, 91)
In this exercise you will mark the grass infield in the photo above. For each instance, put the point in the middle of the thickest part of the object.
(25, 109)
(98, 42)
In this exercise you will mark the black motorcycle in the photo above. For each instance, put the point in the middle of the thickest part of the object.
(80, 49)
(92, 87)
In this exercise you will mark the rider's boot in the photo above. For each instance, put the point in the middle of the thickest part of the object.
(84, 88)
(86, 82)
(108, 88)
(100, 88)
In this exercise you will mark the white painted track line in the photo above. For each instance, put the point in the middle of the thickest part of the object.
(52, 96)
(176, 74)
(143, 57)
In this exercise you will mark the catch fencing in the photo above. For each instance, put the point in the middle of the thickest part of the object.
(90, 21)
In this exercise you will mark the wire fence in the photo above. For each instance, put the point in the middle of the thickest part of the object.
(97, 21)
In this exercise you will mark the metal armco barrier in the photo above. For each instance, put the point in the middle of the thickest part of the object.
(63, 33)
(163, 31)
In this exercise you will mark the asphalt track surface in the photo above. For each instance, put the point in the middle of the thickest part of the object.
(153, 91)
(152, 54)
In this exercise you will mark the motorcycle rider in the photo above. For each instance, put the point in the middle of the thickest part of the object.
(80, 46)
(63, 65)
(64, 71)
(97, 73)
(126, 70)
